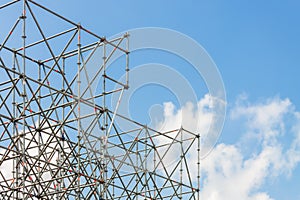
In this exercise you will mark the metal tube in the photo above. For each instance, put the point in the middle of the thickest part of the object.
(127, 61)
(15, 134)
(78, 120)
(9, 3)
(23, 17)
(198, 166)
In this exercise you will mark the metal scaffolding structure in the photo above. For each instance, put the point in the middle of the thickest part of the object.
(59, 136)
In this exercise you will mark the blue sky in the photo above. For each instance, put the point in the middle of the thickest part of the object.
(255, 45)
(253, 39)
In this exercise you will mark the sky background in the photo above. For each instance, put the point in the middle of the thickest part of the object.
(255, 45)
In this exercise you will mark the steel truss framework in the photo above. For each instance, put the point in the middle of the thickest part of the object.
(59, 139)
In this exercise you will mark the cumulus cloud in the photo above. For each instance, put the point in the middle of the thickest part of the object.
(187, 116)
(229, 172)
(202, 118)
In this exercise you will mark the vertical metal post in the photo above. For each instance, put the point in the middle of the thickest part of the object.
(60, 141)
(198, 165)
(136, 168)
(181, 163)
(154, 173)
(145, 160)
(62, 184)
(104, 90)
(14, 133)
(78, 120)
(127, 60)
(23, 17)
(113, 182)
(39, 132)
(105, 122)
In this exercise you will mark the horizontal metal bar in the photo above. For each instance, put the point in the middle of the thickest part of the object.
(49, 38)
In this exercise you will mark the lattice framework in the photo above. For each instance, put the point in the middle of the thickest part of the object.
(60, 139)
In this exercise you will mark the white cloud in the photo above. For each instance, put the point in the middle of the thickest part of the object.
(266, 118)
(228, 173)
(188, 116)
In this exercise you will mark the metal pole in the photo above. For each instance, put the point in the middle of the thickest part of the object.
(78, 117)
(62, 183)
(23, 17)
(15, 135)
(127, 60)
(146, 185)
(198, 166)
(105, 121)
(39, 133)
(181, 163)
(136, 168)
